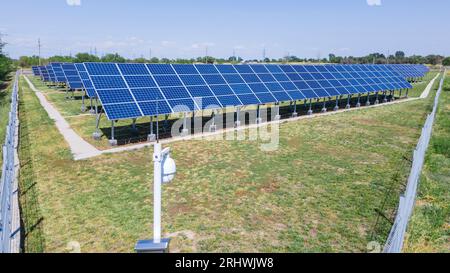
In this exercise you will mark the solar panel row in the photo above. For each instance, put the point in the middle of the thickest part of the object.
(136, 90)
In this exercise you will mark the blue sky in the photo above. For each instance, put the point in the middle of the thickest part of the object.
(184, 28)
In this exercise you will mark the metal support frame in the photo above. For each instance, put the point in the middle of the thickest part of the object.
(295, 114)
(185, 130)
(349, 97)
(407, 91)
(385, 97)
(377, 101)
(368, 99)
(393, 95)
(97, 135)
(92, 110)
(336, 108)
(400, 93)
(358, 104)
(277, 111)
(83, 106)
(133, 126)
(237, 123)
(213, 126)
(258, 115)
(112, 141)
(310, 111)
(151, 137)
(324, 107)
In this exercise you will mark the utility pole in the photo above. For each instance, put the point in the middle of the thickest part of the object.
(39, 50)
(206, 54)
(150, 54)
(264, 54)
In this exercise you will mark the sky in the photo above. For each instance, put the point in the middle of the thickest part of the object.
(189, 28)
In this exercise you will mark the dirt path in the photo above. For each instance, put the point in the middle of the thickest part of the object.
(80, 148)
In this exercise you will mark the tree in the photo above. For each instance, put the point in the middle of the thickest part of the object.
(6, 64)
(446, 61)
(85, 58)
(113, 58)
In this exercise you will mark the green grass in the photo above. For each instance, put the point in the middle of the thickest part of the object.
(429, 229)
(318, 192)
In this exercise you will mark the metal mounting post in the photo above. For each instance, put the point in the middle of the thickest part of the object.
(348, 106)
(237, 123)
(358, 104)
(277, 111)
(185, 131)
(324, 107)
(310, 111)
(258, 115)
(368, 99)
(151, 137)
(377, 101)
(295, 114)
(336, 108)
(112, 141)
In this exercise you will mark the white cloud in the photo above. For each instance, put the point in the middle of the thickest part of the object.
(73, 2)
(374, 2)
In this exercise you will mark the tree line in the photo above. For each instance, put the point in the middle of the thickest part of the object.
(376, 58)
(6, 64)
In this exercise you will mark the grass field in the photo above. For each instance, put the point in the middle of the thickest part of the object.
(320, 191)
(429, 230)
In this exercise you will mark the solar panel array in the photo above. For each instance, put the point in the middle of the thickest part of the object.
(72, 77)
(408, 71)
(136, 90)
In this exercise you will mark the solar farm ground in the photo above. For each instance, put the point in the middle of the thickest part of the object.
(430, 225)
(322, 190)
(84, 125)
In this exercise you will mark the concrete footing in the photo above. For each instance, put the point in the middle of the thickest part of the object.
(212, 128)
(295, 114)
(310, 112)
(151, 138)
(277, 117)
(112, 142)
(96, 136)
(184, 132)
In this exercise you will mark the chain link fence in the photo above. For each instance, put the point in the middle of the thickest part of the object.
(396, 237)
(9, 208)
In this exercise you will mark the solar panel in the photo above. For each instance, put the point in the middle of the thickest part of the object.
(58, 72)
(44, 74)
(35, 70)
(85, 80)
(155, 89)
(51, 73)
(72, 76)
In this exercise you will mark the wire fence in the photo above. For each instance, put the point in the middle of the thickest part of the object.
(396, 237)
(9, 220)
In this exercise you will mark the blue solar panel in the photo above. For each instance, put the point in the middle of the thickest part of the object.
(183, 69)
(58, 72)
(73, 78)
(190, 80)
(175, 92)
(122, 111)
(207, 103)
(85, 80)
(229, 101)
(198, 86)
(200, 91)
(155, 107)
(221, 90)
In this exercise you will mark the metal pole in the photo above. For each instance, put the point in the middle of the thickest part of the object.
(157, 180)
